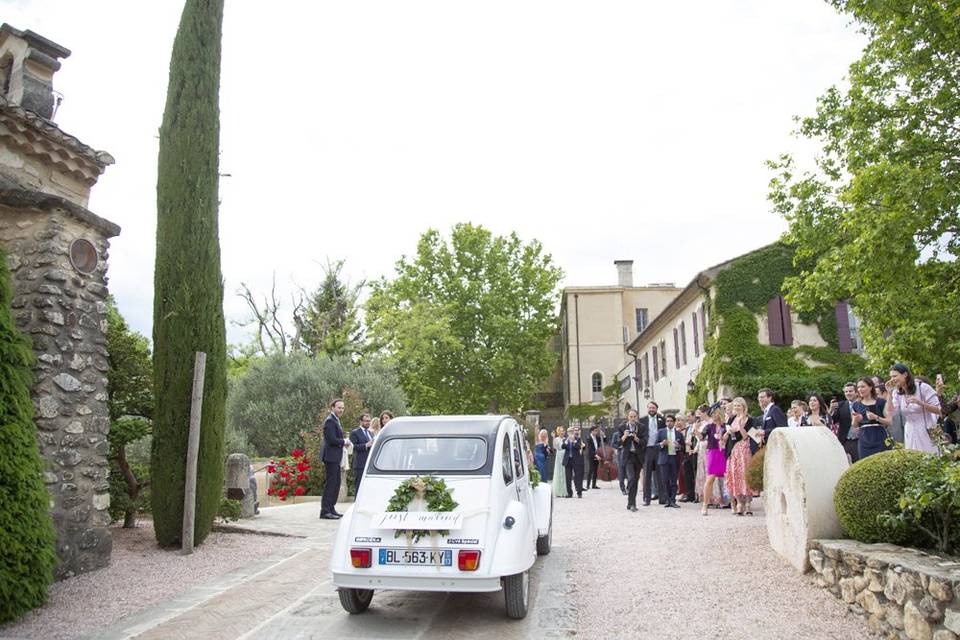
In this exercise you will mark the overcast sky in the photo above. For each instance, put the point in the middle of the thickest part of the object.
(607, 130)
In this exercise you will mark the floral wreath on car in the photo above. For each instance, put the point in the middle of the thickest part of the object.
(433, 491)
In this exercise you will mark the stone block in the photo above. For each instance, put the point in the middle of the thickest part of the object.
(876, 580)
(801, 469)
(894, 615)
(931, 609)
(860, 583)
(74, 427)
(915, 623)
(66, 382)
(848, 592)
(871, 602)
(816, 560)
(876, 625)
(48, 407)
(101, 501)
(944, 634)
(238, 478)
(940, 590)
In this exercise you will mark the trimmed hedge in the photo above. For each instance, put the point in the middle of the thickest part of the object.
(27, 540)
(871, 487)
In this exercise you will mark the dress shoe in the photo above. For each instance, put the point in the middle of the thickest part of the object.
(570, 495)
(579, 495)
(673, 505)
(329, 516)
(623, 491)
(594, 487)
(634, 508)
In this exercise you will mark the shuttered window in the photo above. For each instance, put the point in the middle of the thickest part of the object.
(663, 357)
(646, 370)
(696, 336)
(779, 327)
(703, 325)
(656, 367)
(676, 346)
(683, 342)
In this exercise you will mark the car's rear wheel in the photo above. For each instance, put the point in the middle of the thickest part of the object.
(516, 591)
(544, 542)
(355, 600)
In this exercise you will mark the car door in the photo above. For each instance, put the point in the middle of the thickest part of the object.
(522, 481)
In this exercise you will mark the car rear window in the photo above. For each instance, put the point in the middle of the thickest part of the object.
(432, 454)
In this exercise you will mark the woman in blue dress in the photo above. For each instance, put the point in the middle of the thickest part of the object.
(869, 416)
(540, 453)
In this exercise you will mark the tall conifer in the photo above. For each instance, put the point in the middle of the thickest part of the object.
(26, 531)
(188, 286)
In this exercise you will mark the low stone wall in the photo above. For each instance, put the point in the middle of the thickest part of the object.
(904, 593)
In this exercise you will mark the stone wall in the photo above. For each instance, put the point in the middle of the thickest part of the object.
(64, 313)
(903, 593)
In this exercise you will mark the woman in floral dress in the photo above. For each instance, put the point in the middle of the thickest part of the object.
(738, 442)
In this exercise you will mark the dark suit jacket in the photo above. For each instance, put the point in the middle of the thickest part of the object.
(641, 430)
(663, 456)
(592, 450)
(333, 441)
(571, 453)
(775, 418)
(360, 450)
(842, 418)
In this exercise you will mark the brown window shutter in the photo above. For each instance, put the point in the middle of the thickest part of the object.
(787, 322)
(683, 341)
(656, 365)
(775, 321)
(676, 347)
(843, 327)
(696, 337)
(703, 325)
(638, 373)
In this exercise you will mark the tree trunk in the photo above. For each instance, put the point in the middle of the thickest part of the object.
(133, 488)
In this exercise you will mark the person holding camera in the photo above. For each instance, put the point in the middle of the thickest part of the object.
(919, 405)
(573, 461)
(633, 446)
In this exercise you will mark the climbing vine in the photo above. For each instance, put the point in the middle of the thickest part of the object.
(734, 355)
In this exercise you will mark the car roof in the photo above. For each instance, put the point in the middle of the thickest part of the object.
(485, 425)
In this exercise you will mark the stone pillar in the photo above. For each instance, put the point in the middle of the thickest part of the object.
(64, 311)
(237, 481)
(800, 470)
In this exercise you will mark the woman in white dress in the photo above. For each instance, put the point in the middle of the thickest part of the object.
(559, 479)
(918, 404)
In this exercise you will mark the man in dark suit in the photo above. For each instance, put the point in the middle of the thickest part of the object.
(594, 447)
(669, 448)
(633, 441)
(362, 440)
(573, 461)
(652, 422)
(841, 416)
(615, 442)
(773, 416)
(332, 456)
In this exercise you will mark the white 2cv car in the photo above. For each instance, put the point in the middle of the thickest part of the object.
(488, 542)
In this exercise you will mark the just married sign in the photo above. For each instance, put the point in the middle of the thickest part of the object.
(441, 520)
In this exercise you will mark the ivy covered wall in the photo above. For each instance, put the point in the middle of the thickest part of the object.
(734, 356)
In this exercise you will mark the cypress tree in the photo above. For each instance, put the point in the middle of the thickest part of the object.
(188, 286)
(27, 539)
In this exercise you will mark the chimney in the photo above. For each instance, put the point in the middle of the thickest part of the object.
(27, 64)
(624, 272)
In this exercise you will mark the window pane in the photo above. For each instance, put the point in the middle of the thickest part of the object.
(641, 319)
(432, 454)
(505, 463)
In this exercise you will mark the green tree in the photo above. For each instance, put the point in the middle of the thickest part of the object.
(876, 222)
(329, 323)
(130, 386)
(468, 323)
(26, 531)
(188, 286)
(279, 396)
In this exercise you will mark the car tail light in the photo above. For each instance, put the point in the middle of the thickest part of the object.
(468, 560)
(361, 558)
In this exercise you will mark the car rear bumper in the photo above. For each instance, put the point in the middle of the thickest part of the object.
(417, 583)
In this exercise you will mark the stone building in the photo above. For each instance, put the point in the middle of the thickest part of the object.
(57, 253)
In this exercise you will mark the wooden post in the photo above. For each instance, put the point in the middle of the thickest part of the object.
(193, 450)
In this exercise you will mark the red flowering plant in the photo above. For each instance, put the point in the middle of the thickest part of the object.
(289, 477)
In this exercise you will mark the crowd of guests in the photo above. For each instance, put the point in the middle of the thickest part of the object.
(703, 455)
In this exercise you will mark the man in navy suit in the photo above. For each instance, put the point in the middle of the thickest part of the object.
(573, 462)
(773, 416)
(669, 445)
(362, 440)
(652, 423)
(633, 441)
(332, 456)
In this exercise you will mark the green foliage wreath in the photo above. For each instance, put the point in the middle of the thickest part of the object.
(436, 493)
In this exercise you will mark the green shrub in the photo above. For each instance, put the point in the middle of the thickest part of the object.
(27, 539)
(755, 470)
(229, 510)
(870, 488)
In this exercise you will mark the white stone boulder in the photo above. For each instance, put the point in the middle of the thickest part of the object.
(800, 470)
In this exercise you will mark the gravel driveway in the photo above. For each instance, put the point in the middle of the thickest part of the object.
(672, 573)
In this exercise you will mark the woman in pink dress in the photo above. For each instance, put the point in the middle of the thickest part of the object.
(918, 404)
(738, 442)
(716, 459)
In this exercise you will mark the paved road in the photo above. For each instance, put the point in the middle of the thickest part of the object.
(666, 588)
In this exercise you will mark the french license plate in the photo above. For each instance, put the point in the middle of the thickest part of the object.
(441, 557)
